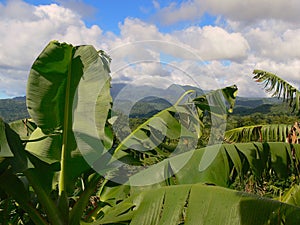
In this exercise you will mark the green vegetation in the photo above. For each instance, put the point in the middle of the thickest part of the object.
(13, 109)
(66, 166)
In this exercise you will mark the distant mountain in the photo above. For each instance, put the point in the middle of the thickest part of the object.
(145, 101)
(246, 106)
(13, 109)
(122, 91)
(255, 102)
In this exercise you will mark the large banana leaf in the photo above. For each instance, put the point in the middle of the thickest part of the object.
(199, 204)
(173, 122)
(62, 79)
(262, 133)
(182, 122)
(280, 88)
(23, 128)
(217, 103)
(185, 168)
(65, 83)
(4, 146)
(256, 158)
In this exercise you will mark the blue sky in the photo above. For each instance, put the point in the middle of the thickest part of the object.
(218, 43)
(109, 14)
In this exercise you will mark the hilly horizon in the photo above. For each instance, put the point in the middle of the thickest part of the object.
(143, 101)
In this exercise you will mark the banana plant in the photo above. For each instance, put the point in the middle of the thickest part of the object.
(180, 175)
(199, 204)
(64, 82)
(228, 162)
(49, 161)
(279, 88)
(270, 132)
(262, 133)
(174, 199)
(176, 129)
(232, 161)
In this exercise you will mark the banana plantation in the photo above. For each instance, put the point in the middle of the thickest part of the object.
(64, 166)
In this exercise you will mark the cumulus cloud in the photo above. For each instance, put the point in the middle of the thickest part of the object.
(25, 30)
(214, 42)
(251, 35)
(174, 13)
(282, 46)
(250, 11)
(143, 51)
(268, 32)
(208, 42)
(247, 11)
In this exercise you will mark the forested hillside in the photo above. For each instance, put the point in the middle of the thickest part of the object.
(13, 109)
(248, 111)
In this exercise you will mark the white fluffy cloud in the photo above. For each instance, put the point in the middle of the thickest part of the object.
(214, 42)
(142, 52)
(25, 30)
(280, 47)
(271, 30)
(251, 35)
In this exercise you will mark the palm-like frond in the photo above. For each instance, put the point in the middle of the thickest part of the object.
(262, 133)
(279, 87)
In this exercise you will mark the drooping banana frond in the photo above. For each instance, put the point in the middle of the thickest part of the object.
(240, 159)
(178, 123)
(262, 133)
(198, 204)
(219, 101)
(278, 157)
(280, 88)
(182, 122)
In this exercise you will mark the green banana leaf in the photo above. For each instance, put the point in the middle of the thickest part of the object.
(64, 80)
(219, 101)
(185, 168)
(173, 123)
(280, 88)
(11, 149)
(292, 196)
(262, 133)
(23, 128)
(182, 123)
(199, 204)
(13, 186)
(4, 146)
(68, 98)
